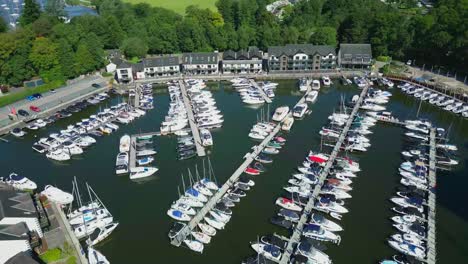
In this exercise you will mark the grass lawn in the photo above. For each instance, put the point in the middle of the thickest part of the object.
(177, 5)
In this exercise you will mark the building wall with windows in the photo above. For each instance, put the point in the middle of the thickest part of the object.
(301, 57)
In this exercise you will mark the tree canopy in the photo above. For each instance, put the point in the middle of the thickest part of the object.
(46, 46)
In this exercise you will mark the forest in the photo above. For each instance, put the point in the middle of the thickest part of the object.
(44, 45)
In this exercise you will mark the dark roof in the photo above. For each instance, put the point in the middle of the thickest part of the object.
(124, 64)
(200, 58)
(252, 52)
(16, 204)
(14, 232)
(292, 49)
(21, 258)
(355, 49)
(161, 61)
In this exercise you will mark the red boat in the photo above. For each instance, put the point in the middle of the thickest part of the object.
(280, 139)
(319, 158)
(252, 171)
(35, 108)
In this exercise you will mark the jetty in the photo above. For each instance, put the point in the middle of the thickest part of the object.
(249, 158)
(296, 235)
(431, 215)
(193, 125)
(132, 153)
(262, 92)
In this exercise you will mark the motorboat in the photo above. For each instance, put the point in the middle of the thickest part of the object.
(246, 181)
(289, 215)
(178, 215)
(409, 202)
(303, 85)
(315, 85)
(184, 208)
(320, 220)
(19, 182)
(96, 257)
(312, 254)
(124, 143)
(88, 228)
(56, 195)
(251, 171)
(146, 152)
(202, 189)
(263, 159)
(269, 251)
(145, 160)
(408, 238)
(58, 154)
(281, 221)
(270, 150)
(318, 233)
(328, 204)
(17, 132)
(207, 229)
(280, 113)
(102, 234)
(409, 249)
(121, 163)
(202, 237)
(207, 139)
(220, 217)
(88, 215)
(194, 245)
(209, 184)
(299, 110)
(214, 223)
(311, 97)
(287, 123)
(142, 172)
(288, 204)
(326, 80)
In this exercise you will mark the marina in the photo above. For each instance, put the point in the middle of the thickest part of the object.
(249, 216)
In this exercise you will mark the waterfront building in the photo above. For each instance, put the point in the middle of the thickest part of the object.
(200, 63)
(301, 57)
(124, 72)
(158, 66)
(20, 230)
(244, 61)
(355, 56)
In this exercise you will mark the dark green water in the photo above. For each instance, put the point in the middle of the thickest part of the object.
(141, 207)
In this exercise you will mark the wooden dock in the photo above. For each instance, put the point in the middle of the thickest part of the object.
(262, 92)
(296, 236)
(249, 158)
(132, 153)
(431, 216)
(193, 125)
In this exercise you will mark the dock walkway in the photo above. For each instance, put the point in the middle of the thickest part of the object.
(228, 184)
(262, 92)
(249, 158)
(193, 126)
(431, 216)
(296, 236)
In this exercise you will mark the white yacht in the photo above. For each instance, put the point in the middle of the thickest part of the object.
(315, 85)
(124, 143)
(287, 123)
(299, 110)
(312, 254)
(17, 132)
(121, 163)
(270, 252)
(194, 245)
(326, 80)
(317, 232)
(56, 195)
(280, 113)
(58, 154)
(312, 97)
(96, 257)
(207, 139)
(142, 172)
(19, 182)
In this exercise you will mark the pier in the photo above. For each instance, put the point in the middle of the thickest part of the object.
(264, 95)
(249, 158)
(431, 215)
(132, 153)
(296, 236)
(193, 126)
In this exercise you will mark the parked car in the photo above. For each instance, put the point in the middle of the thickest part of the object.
(35, 108)
(31, 98)
(95, 85)
(37, 95)
(22, 112)
(52, 90)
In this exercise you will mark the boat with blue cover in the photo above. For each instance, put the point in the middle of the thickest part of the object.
(269, 251)
(289, 215)
(178, 215)
(263, 158)
(317, 232)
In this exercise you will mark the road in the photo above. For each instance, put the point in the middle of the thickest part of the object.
(50, 99)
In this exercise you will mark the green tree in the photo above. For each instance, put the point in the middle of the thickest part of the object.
(55, 8)
(3, 25)
(324, 36)
(66, 59)
(43, 54)
(134, 47)
(31, 12)
(84, 61)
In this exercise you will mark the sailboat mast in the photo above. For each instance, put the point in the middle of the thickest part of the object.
(183, 182)
(211, 172)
